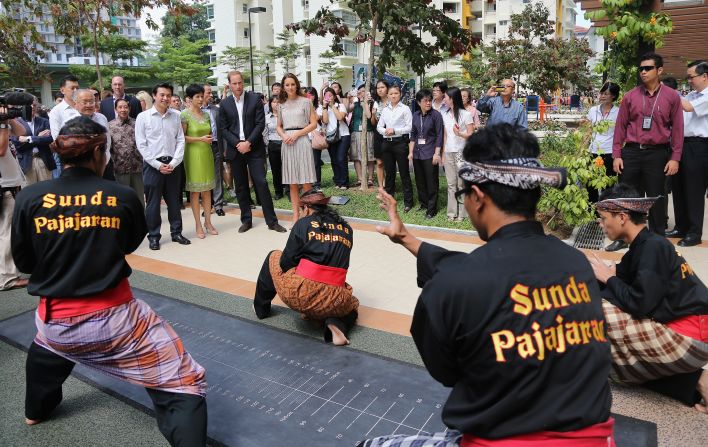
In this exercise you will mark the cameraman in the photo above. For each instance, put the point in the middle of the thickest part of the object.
(11, 180)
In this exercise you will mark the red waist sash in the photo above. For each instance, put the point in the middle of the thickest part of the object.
(693, 326)
(598, 435)
(333, 276)
(65, 307)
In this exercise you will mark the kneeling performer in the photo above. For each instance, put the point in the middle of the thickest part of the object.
(310, 274)
(655, 306)
(72, 234)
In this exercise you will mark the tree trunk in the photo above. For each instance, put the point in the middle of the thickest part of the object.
(96, 55)
(365, 139)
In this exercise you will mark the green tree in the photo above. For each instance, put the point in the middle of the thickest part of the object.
(632, 25)
(193, 26)
(330, 67)
(19, 55)
(236, 58)
(117, 48)
(393, 20)
(181, 62)
(286, 52)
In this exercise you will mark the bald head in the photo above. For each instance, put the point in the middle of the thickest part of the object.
(118, 86)
(85, 102)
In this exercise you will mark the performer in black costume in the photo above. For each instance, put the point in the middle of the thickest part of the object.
(515, 328)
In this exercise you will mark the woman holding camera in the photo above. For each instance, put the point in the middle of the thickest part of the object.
(333, 114)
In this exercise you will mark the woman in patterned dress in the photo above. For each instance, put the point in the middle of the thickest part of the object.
(198, 158)
(296, 119)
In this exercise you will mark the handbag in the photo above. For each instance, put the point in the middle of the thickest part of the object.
(319, 141)
(333, 137)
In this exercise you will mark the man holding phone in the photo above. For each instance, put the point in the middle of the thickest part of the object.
(501, 107)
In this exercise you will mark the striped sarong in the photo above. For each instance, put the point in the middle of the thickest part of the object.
(450, 438)
(129, 342)
(644, 350)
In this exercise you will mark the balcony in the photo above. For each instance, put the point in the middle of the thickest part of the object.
(476, 26)
(490, 17)
(476, 7)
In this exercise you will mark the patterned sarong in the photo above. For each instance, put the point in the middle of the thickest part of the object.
(129, 342)
(315, 300)
(449, 438)
(644, 350)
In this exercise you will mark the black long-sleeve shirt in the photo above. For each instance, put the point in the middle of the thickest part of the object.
(72, 233)
(323, 243)
(516, 329)
(655, 281)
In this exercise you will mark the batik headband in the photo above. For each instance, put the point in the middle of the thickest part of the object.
(523, 173)
(71, 146)
(317, 198)
(628, 205)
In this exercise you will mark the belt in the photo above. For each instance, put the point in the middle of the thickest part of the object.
(334, 276)
(398, 138)
(11, 189)
(294, 128)
(696, 139)
(646, 146)
(35, 155)
(166, 159)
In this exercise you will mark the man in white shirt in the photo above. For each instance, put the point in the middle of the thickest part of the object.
(11, 180)
(160, 140)
(689, 186)
(68, 85)
(395, 126)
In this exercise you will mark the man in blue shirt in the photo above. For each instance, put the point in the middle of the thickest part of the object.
(501, 107)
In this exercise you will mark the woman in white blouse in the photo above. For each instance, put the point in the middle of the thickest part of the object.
(395, 126)
(459, 125)
(275, 143)
(332, 113)
(601, 144)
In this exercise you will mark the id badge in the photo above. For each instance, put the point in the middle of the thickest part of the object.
(421, 141)
(646, 123)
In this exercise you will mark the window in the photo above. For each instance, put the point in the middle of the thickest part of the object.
(245, 8)
(349, 18)
(212, 58)
(503, 22)
(59, 57)
(212, 36)
(349, 48)
(245, 33)
(210, 11)
(449, 8)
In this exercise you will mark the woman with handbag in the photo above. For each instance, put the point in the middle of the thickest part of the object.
(296, 119)
(333, 114)
(317, 136)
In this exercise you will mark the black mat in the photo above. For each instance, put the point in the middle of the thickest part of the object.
(267, 385)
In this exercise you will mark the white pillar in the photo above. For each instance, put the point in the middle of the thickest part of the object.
(47, 99)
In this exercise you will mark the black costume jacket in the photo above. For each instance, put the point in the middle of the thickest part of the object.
(516, 329)
(72, 233)
(322, 243)
(655, 281)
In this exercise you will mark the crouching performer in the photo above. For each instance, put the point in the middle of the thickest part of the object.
(72, 234)
(515, 328)
(655, 306)
(310, 274)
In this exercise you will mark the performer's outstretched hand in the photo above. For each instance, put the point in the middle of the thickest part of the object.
(396, 231)
(603, 272)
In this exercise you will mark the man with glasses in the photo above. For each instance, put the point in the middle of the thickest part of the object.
(500, 106)
(479, 313)
(648, 139)
(692, 180)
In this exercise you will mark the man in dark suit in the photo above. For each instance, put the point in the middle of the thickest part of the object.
(217, 148)
(108, 105)
(33, 151)
(241, 122)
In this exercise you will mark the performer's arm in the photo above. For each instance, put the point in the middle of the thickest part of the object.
(293, 249)
(396, 231)
(21, 242)
(435, 350)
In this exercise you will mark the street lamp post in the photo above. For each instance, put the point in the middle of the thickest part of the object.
(255, 10)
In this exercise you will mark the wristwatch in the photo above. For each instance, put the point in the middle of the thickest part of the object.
(4, 126)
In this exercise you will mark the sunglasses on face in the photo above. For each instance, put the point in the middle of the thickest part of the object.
(646, 68)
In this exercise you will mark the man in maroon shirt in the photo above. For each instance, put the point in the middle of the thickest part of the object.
(648, 139)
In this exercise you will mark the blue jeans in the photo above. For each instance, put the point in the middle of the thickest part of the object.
(338, 154)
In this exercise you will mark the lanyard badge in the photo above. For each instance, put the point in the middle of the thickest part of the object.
(646, 123)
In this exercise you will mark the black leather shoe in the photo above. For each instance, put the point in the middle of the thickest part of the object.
(220, 212)
(406, 209)
(181, 239)
(675, 233)
(616, 245)
(245, 227)
(277, 227)
(278, 196)
(154, 244)
(689, 241)
(428, 216)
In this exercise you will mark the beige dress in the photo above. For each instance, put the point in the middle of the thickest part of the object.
(298, 160)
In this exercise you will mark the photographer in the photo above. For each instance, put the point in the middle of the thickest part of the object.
(501, 107)
(11, 180)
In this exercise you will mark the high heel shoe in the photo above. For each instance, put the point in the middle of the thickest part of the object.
(212, 230)
(200, 233)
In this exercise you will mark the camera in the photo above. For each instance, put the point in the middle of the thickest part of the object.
(18, 104)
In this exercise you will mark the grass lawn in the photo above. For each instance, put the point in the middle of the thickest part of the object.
(364, 204)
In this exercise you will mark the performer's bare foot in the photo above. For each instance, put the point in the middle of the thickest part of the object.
(32, 421)
(702, 388)
(338, 337)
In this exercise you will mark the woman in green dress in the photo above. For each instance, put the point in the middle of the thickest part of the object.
(198, 159)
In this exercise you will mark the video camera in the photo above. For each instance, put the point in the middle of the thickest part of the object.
(18, 104)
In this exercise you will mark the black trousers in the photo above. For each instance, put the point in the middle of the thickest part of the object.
(217, 196)
(689, 187)
(157, 187)
(181, 418)
(644, 170)
(396, 153)
(265, 292)
(427, 183)
(276, 166)
(681, 387)
(240, 167)
(109, 172)
(594, 194)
